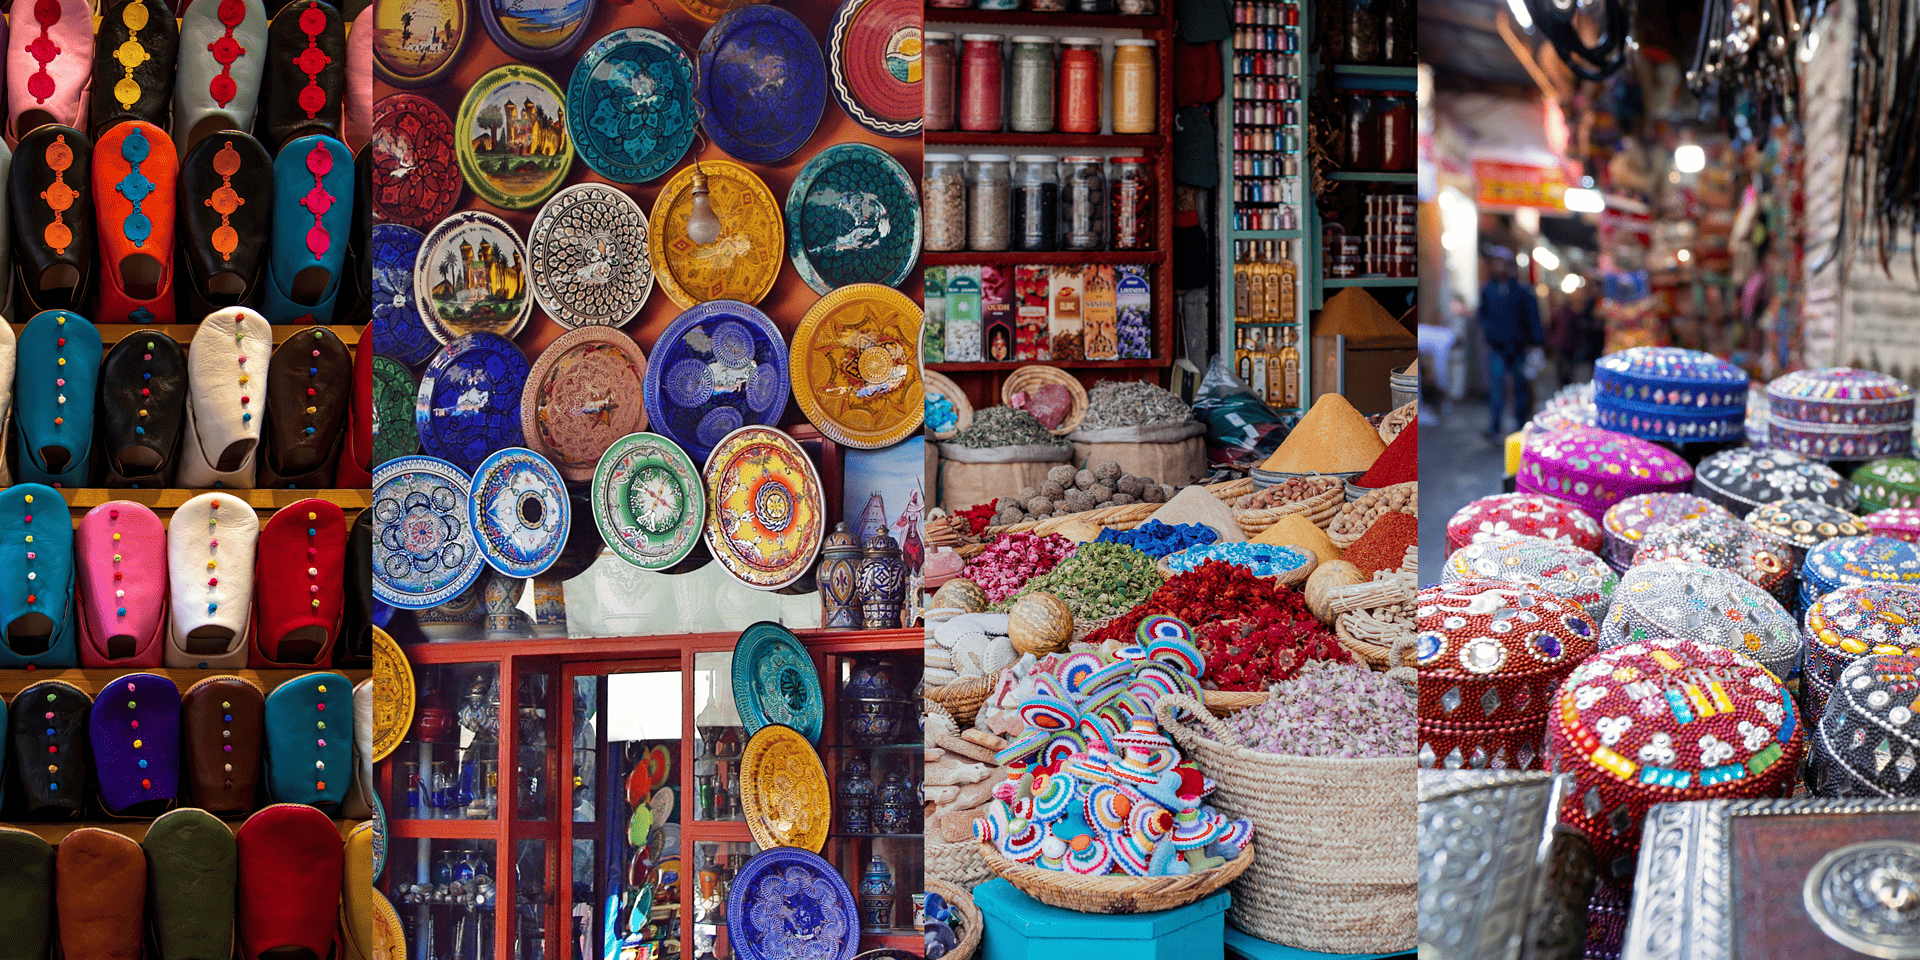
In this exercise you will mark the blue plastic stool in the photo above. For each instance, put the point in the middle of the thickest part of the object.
(1019, 927)
(1250, 947)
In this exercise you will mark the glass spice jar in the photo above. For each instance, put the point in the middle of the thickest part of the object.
(1360, 146)
(1030, 85)
(1083, 203)
(1363, 31)
(990, 203)
(998, 4)
(1036, 203)
(1094, 6)
(943, 191)
(1130, 195)
(1394, 121)
(980, 82)
(1136, 101)
(936, 80)
(1076, 86)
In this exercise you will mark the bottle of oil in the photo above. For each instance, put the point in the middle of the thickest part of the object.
(1289, 286)
(1289, 364)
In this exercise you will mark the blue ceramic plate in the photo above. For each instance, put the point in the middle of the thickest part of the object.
(630, 105)
(774, 681)
(853, 216)
(719, 366)
(537, 29)
(791, 904)
(762, 83)
(423, 548)
(520, 512)
(469, 401)
(398, 331)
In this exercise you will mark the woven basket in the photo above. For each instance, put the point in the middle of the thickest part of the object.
(1123, 517)
(1320, 508)
(972, 925)
(936, 382)
(1338, 840)
(957, 863)
(1033, 375)
(962, 698)
(1345, 530)
(1222, 703)
(1114, 894)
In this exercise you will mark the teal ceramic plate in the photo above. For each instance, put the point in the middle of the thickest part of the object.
(630, 105)
(853, 216)
(774, 681)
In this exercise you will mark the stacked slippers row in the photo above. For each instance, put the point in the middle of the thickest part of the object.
(283, 885)
(220, 140)
(140, 747)
(213, 589)
(230, 410)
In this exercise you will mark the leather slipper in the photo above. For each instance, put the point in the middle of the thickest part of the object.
(210, 550)
(312, 227)
(133, 55)
(298, 575)
(36, 594)
(100, 895)
(292, 864)
(223, 50)
(52, 755)
(310, 740)
(135, 729)
(120, 573)
(193, 870)
(226, 399)
(226, 214)
(142, 409)
(135, 182)
(50, 195)
(49, 64)
(305, 85)
(222, 736)
(53, 395)
(26, 895)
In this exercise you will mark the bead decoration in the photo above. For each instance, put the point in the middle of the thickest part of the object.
(1678, 598)
(1562, 569)
(1595, 469)
(1522, 513)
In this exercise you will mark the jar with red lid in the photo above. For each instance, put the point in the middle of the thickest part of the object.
(1393, 117)
(1130, 193)
(936, 80)
(1361, 145)
(1076, 87)
(981, 83)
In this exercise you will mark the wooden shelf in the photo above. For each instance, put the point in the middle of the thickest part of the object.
(92, 680)
(132, 829)
(1145, 142)
(112, 333)
(82, 499)
(1014, 258)
(987, 366)
(1371, 282)
(446, 829)
(1151, 23)
(1372, 176)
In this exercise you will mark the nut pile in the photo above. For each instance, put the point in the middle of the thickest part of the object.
(1130, 404)
(1294, 489)
(1005, 427)
(1068, 490)
(1356, 517)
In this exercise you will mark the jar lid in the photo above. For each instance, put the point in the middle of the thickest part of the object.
(1861, 619)
(943, 158)
(1900, 522)
(1129, 159)
(1080, 41)
(982, 37)
(1480, 630)
(1856, 560)
(1081, 159)
(1745, 478)
(1718, 540)
(1035, 158)
(1133, 43)
(1032, 38)
(988, 157)
(1523, 513)
(1681, 598)
(1563, 569)
(1632, 519)
(1804, 523)
(937, 35)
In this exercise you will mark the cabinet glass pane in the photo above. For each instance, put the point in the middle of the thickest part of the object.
(444, 893)
(582, 939)
(639, 848)
(719, 739)
(716, 863)
(449, 767)
(532, 904)
(586, 741)
(533, 787)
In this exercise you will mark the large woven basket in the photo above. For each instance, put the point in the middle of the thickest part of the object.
(1320, 508)
(957, 863)
(936, 382)
(1338, 840)
(1114, 894)
(1031, 376)
(972, 925)
(1345, 529)
(962, 698)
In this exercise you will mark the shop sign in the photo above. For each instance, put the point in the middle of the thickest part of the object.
(1506, 184)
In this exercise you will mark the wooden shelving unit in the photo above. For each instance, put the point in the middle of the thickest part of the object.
(92, 680)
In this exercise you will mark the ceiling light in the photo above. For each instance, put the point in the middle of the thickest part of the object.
(1584, 200)
(1689, 158)
(1520, 14)
(1547, 259)
(1683, 256)
(1571, 283)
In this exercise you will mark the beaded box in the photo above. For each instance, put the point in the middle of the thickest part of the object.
(1888, 482)
(1677, 598)
(1867, 743)
(1901, 523)
(1840, 413)
(1744, 478)
(1853, 622)
(1803, 524)
(1857, 560)
(1670, 394)
(1564, 570)
(1727, 544)
(1628, 522)
(1524, 513)
(1595, 469)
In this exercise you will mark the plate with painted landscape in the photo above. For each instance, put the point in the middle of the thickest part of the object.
(511, 137)
(537, 29)
(416, 42)
(471, 278)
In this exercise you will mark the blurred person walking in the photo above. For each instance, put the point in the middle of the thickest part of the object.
(1510, 320)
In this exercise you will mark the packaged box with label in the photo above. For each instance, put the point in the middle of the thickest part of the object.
(933, 317)
(1030, 296)
(1133, 301)
(1100, 336)
(996, 312)
(1066, 297)
(963, 314)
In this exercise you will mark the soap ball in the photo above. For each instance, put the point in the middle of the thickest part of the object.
(1027, 492)
(1051, 489)
(1107, 471)
(1085, 479)
(1062, 474)
(1155, 494)
(1100, 492)
(1130, 485)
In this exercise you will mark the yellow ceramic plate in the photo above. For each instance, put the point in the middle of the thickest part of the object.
(854, 369)
(783, 789)
(393, 695)
(743, 263)
(768, 511)
(389, 939)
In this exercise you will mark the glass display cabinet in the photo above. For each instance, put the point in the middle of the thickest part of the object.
(600, 816)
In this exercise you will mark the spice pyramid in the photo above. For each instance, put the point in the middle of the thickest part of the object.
(1332, 438)
(1399, 464)
(1295, 530)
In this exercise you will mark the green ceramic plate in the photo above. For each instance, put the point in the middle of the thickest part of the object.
(648, 501)
(394, 393)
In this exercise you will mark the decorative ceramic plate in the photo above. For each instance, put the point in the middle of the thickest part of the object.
(389, 938)
(855, 372)
(406, 57)
(470, 278)
(719, 366)
(742, 263)
(393, 694)
(769, 513)
(762, 84)
(397, 329)
(875, 52)
(469, 400)
(415, 174)
(648, 501)
(394, 394)
(661, 803)
(423, 549)
(379, 821)
(853, 216)
(587, 256)
(520, 512)
(783, 790)
(707, 11)
(583, 394)
(511, 135)
(537, 31)
(786, 904)
(631, 103)
(774, 681)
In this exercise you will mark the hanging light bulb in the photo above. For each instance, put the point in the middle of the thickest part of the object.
(702, 226)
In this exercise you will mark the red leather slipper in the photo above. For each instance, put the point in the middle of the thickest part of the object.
(292, 863)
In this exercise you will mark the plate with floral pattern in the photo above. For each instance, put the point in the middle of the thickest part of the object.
(719, 366)
(469, 400)
(587, 256)
(762, 84)
(416, 177)
(856, 372)
(397, 328)
(649, 501)
(743, 263)
(775, 682)
(783, 790)
(630, 103)
(424, 553)
(853, 216)
(769, 513)
(584, 393)
(791, 904)
(520, 512)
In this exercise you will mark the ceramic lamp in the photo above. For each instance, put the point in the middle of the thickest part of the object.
(1670, 395)
(1595, 469)
(1492, 654)
(1666, 721)
(839, 579)
(883, 582)
(1840, 413)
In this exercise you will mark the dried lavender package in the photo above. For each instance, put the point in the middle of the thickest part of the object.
(1133, 303)
(1100, 335)
(933, 323)
(963, 314)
